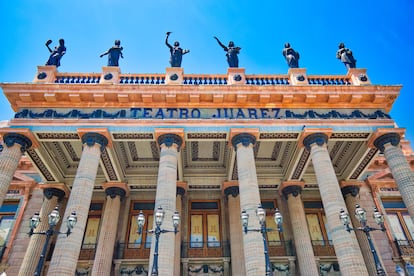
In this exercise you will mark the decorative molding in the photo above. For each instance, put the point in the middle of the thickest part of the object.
(364, 163)
(40, 165)
(301, 164)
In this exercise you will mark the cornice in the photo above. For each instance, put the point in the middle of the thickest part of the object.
(48, 95)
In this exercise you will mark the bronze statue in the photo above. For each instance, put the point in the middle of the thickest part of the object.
(114, 53)
(345, 55)
(291, 56)
(232, 52)
(176, 52)
(57, 53)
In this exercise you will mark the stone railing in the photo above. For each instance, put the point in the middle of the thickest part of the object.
(329, 80)
(77, 78)
(176, 76)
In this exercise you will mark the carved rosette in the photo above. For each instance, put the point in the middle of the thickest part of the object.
(15, 138)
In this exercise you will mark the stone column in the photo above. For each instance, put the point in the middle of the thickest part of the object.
(231, 191)
(389, 144)
(181, 189)
(166, 190)
(32, 256)
(254, 258)
(67, 249)
(303, 244)
(350, 192)
(15, 145)
(346, 245)
(102, 264)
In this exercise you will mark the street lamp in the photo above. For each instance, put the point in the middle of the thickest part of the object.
(159, 217)
(361, 215)
(53, 220)
(261, 214)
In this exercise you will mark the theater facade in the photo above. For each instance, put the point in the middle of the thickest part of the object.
(113, 147)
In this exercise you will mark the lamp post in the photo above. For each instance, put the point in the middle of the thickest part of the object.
(361, 215)
(261, 214)
(159, 217)
(53, 219)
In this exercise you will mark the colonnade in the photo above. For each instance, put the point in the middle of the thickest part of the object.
(350, 249)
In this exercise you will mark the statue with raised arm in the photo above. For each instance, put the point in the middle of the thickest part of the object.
(291, 56)
(345, 55)
(114, 53)
(232, 52)
(57, 53)
(176, 52)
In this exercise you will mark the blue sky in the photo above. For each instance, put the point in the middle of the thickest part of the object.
(380, 33)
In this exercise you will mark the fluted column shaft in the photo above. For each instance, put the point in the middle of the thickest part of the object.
(67, 249)
(350, 193)
(15, 145)
(236, 234)
(303, 244)
(400, 169)
(166, 191)
(254, 257)
(102, 264)
(32, 256)
(346, 246)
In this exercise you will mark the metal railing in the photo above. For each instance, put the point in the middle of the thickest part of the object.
(405, 247)
(323, 248)
(205, 249)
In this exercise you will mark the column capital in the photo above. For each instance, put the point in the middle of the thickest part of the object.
(55, 186)
(230, 188)
(182, 188)
(51, 192)
(383, 136)
(245, 136)
(317, 136)
(91, 138)
(170, 137)
(23, 137)
(113, 189)
(291, 187)
(350, 188)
